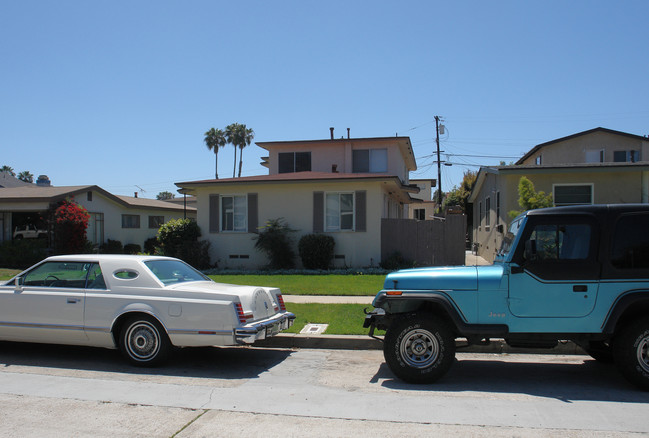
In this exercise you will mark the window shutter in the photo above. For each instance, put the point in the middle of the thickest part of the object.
(214, 213)
(318, 212)
(253, 216)
(361, 210)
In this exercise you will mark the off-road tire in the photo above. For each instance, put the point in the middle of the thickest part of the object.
(144, 342)
(419, 348)
(631, 352)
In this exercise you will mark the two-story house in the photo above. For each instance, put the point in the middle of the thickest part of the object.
(423, 207)
(598, 166)
(341, 187)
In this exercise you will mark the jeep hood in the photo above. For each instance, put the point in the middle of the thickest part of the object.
(445, 278)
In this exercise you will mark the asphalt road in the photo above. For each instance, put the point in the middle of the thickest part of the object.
(68, 391)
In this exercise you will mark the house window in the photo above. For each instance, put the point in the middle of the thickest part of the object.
(538, 161)
(130, 221)
(626, 156)
(420, 214)
(89, 196)
(497, 208)
(339, 214)
(487, 219)
(595, 156)
(290, 162)
(233, 213)
(573, 194)
(480, 216)
(156, 221)
(369, 160)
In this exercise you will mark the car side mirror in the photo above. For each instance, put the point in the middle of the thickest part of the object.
(19, 282)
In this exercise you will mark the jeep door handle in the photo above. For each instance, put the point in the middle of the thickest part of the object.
(580, 288)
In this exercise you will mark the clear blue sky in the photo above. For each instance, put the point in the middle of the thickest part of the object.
(120, 93)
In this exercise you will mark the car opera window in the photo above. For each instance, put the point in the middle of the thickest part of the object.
(369, 160)
(130, 221)
(234, 213)
(339, 211)
(290, 162)
(65, 274)
(630, 243)
(555, 242)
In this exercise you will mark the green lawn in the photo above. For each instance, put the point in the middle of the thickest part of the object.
(311, 284)
(343, 319)
(6, 274)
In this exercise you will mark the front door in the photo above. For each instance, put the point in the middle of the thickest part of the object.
(556, 272)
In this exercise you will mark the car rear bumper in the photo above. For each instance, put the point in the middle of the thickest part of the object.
(266, 328)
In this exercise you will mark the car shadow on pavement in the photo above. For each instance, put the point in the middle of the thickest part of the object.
(232, 363)
(587, 381)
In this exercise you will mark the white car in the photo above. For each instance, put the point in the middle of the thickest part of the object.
(142, 305)
(29, 232)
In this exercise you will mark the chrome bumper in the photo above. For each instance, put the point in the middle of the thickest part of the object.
(259, 330)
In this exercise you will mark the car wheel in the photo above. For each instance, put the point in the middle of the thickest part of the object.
(600, 351)
(631, 352)
(144, 342)
(419, 348)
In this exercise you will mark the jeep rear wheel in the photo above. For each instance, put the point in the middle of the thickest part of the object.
(631, 350)
(419, 348)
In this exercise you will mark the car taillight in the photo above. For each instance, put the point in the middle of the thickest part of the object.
(280, 301)
(243, 317)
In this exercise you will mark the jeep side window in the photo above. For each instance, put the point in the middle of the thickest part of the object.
(556, 242)
(630, 243)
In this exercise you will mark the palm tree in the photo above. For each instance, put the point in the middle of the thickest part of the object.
(8, 169)
(232, 133)
(245, 138)
(215, 139)
(26, 176)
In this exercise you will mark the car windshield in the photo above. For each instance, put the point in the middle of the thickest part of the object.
(509, 238)
(174, 271)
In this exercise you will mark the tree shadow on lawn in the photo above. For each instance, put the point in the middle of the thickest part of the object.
(586, 381)
(230, 363)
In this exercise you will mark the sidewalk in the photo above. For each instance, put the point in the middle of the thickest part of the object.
(346, 342)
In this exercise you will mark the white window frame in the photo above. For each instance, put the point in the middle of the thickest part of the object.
(598, 153)
(592, 192)
(242, 227)
(330, 225)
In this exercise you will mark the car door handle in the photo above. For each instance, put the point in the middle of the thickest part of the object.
(73, 300)
(580, 288)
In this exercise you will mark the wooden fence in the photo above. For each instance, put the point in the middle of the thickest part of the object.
(428, 243)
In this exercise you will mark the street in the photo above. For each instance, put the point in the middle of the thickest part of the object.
(51, 390)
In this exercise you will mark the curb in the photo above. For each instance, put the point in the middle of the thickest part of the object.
(349, 342)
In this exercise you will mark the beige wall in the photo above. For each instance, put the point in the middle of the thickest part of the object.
(294, 203)
(574, 150)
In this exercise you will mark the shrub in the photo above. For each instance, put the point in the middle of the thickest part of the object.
(316, 251)
(111, 247)
(132, 248)
(179, 238)
(70, 224)
(274, 239)
(396, 261)
(150, 245)
(22, 253)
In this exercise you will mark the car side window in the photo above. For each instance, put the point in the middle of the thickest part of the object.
(95, 278)
(557, 242)
(58, 274)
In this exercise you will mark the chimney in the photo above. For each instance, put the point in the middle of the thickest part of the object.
(347, 132)
(334, 168)
(332, 132)
(135, 194)
(43, 181)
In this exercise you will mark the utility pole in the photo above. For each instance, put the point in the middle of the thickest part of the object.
(439, 168)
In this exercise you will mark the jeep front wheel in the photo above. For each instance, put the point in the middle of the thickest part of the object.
(419, 348)
(631, 350)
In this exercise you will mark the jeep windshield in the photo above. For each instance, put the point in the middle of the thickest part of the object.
(510, 237)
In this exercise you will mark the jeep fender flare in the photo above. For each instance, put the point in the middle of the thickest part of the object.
(627, 306)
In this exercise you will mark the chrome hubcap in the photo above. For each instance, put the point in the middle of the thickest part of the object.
(643, 353)
(142, 340)
(419, 348)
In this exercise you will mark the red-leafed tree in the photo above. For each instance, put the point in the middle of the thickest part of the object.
(70, 225)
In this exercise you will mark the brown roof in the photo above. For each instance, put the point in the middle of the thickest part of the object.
(294, 177)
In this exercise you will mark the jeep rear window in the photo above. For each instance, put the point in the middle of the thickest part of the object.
(630, 245)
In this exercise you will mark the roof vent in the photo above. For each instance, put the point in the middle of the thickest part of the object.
(332, 132)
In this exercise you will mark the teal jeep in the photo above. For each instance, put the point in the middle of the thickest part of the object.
(576, 273)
